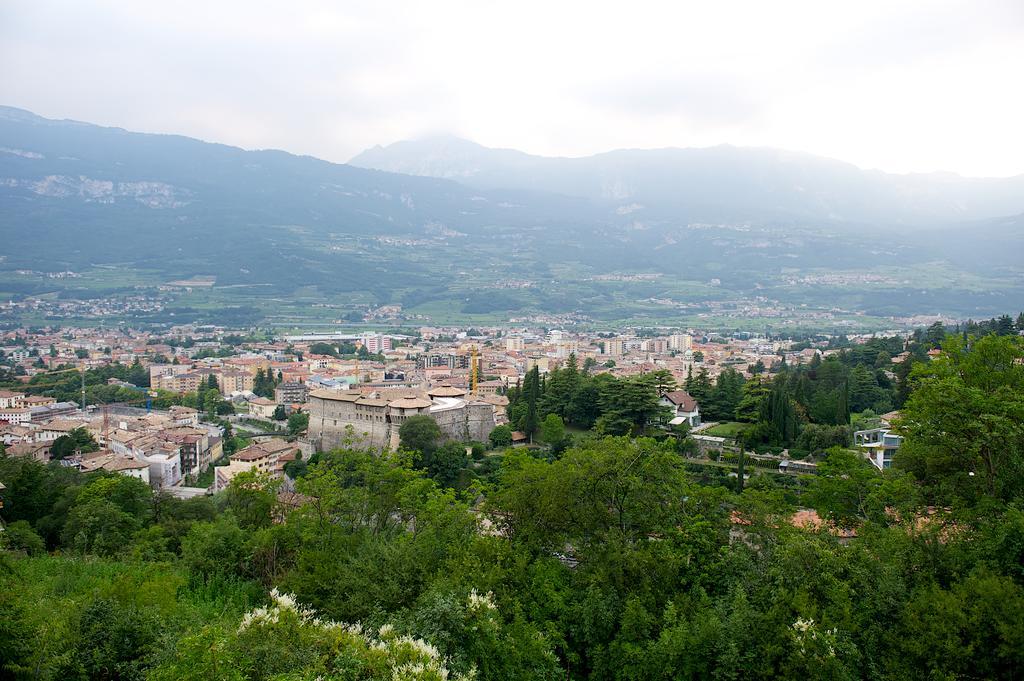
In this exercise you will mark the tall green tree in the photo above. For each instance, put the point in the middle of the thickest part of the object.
(78, 440)
(964, 421)
(420, 434)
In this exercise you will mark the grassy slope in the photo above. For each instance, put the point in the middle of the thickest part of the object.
(50, 593)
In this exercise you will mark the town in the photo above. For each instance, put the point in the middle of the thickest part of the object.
(278, 400)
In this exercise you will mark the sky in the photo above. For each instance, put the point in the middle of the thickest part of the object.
(898, 85)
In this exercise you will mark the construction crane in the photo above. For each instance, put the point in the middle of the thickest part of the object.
(474, 359)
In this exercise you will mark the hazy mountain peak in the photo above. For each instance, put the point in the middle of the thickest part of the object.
(722, 182)
(442, 155)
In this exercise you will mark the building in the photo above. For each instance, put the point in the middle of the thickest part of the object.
(878, 445)
(37, 451)
(684, 408)
(489, 387)
(195, 448)
(12, 434)
(377, 343)
(268, 456)
(184, 416)
(51, 430)
(11, 400)
(164, 461)
(291, 393)
(655, 345)
(680, 342)
(614, 347)
(116, 463)
(262, 407)
(16, 414)
(451, 360)
(543, 364)
(158, 371)
(188, 382)
(335, 418)
(53, 410)
(514, 344)
(564, 348)
(235, 381)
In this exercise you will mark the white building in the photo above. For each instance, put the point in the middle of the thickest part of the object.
(684, 408)
(11, 400)
(16, 415)
(377, 343)
(878, 445)
(164, 465)
(117, 463)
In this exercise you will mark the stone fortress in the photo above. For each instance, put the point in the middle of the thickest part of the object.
(375, 419)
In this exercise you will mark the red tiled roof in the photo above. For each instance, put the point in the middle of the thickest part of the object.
(683, 399)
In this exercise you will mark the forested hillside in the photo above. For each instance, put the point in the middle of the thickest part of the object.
(595, 556)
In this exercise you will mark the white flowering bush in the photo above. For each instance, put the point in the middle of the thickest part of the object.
(475, 640)
(477, 602)
(820, 652)
(812, 640)
(286, 641)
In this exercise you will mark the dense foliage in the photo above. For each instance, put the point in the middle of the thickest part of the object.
(608, 560)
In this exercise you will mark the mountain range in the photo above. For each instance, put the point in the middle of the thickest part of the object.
(453, 231)
(722, 183)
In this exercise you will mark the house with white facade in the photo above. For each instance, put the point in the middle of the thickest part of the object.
(879, 446)
(684, 408)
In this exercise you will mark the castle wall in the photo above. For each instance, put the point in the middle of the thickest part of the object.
(372, 425)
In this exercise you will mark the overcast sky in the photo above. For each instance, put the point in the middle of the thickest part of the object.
(901, 85)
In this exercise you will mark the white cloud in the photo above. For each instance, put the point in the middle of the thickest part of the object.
(903, 85)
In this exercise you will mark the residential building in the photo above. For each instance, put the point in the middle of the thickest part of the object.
(655, 345)
(291, 393)
(543, 364)
(11, 400)
(13, 433)
(235, 381)
(684, 408)
(564, 348)
(180, 383)
(681, 342)
(184, 416)
(268, 457)
(116, 463)
(614, 347)
(262, 407)
(879, 446)
(37, 451)
(195, 447)
(157, 371)
(16, 414)
(443, 359)
(377, 343)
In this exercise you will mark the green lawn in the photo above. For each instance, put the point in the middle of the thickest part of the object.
(726, 429)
